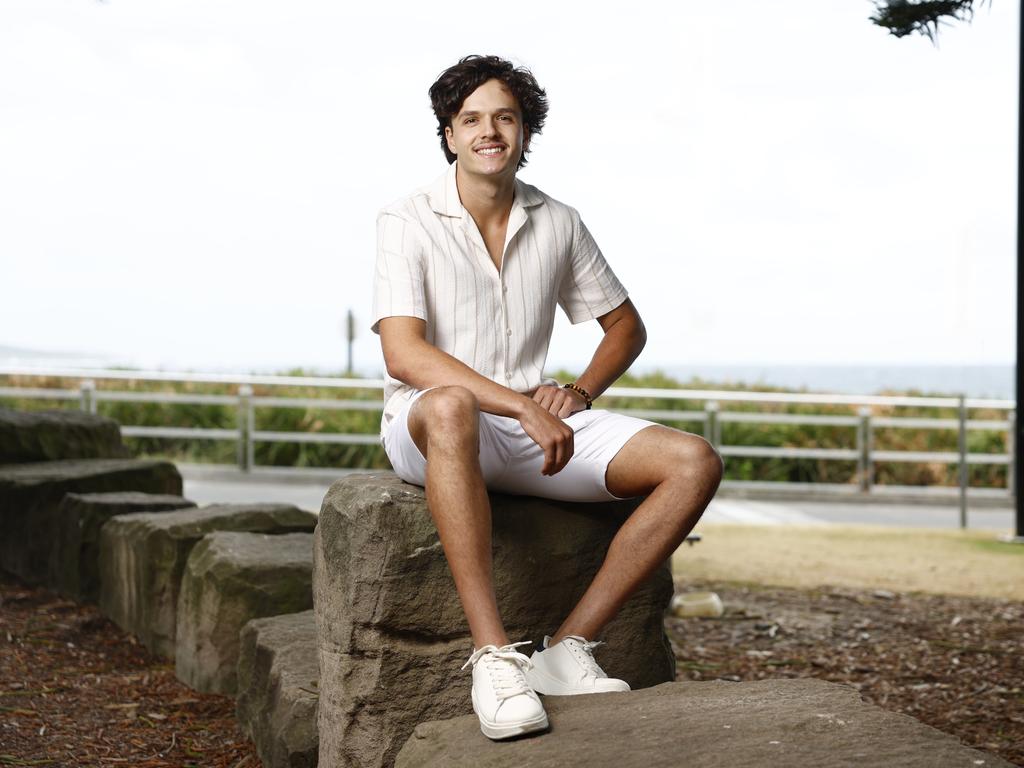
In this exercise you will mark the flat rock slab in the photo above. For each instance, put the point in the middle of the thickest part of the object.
(73, 528)
(53, 435)
(392, 635)
(802, 722)
(230, 578)
(143, 556)
(278, 687)
(29, 491)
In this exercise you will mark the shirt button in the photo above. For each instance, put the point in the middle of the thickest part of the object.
(508, 375)
(504, 289)
(508, 332)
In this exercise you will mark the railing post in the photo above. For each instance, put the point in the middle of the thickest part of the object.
(250, 428)
(86, 391)
(712, 431)
(865, 440)
(962, 446)
(244, 432)
(1011, 452)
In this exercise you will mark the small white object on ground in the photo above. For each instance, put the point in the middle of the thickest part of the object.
(697, 604)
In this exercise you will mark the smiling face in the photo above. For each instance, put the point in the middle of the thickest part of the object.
(487, 135)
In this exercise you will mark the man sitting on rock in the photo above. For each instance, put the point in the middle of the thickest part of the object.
(469, 271)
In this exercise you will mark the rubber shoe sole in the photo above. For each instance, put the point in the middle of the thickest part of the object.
(510, 730)
(548, 686)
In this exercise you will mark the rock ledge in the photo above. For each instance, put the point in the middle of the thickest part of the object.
(704, 725)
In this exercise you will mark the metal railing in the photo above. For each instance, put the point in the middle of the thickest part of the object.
(711, 418)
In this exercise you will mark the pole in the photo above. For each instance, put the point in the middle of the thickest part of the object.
(962, 447)
(1018, 461)
(244, 427)
(350, 334)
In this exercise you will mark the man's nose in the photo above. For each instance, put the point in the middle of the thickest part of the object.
(489, 126)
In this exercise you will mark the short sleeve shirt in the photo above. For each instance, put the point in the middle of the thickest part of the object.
(432, 263)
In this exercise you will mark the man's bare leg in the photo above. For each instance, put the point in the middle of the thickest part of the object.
(681, 473)
(444, 424)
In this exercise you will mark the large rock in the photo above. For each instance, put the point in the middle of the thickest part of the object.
(142, 558)
(230, 578)
(30, 491)
(278, 687)
(392, 635)
(73, 529)
(803, 722)
(53, 435)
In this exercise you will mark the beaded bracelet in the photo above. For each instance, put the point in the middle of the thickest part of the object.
(577, 388)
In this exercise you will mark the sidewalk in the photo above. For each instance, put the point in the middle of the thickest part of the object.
(306, 490)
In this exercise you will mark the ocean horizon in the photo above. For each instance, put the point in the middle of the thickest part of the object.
(980, 381)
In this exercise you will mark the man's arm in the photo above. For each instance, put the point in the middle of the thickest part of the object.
(624, 338)
(410, 358)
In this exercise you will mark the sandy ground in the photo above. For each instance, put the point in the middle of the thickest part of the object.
(972, 563)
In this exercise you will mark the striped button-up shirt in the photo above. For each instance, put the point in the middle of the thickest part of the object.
(432, 263)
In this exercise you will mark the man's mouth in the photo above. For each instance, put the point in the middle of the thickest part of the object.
(490, 151)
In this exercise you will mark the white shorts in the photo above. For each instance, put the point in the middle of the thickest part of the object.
(511, 461)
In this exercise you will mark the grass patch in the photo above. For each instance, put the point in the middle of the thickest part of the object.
(999, 547)
(953, 562)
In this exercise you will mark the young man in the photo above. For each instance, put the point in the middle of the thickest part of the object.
(469, 271)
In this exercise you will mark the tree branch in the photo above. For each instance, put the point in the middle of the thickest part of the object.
(903, 17)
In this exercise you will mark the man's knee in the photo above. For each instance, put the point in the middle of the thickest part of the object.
(451, 411)
(447, 405)
(693, 456)
(704, 459)
(660, 454)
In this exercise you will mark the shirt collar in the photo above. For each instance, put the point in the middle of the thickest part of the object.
(444, 195)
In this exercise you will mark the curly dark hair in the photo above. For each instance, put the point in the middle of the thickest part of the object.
(451, 88)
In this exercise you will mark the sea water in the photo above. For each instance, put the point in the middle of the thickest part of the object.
(995, 381)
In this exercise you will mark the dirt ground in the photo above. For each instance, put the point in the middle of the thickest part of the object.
(954, 663)
(923, 622)
(77, 691)
(887, 611)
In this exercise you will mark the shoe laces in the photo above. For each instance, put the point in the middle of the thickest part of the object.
(583, 650)
(505, 667)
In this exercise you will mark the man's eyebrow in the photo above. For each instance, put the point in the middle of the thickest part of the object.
(475, 113)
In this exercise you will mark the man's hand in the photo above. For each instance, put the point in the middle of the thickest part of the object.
(559, 401)
(550, 433)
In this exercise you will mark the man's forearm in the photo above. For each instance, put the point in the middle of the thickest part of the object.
(424, 365)
(619, 347)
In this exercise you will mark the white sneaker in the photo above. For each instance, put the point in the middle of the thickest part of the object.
(502, 699)
(568, 668)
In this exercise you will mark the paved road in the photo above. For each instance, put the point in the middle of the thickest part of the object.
(203, 488)
(829, 512)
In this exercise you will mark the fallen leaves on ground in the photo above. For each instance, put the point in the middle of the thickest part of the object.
(77, 691)
(954, 663)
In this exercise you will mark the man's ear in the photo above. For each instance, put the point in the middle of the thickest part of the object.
(448, 138)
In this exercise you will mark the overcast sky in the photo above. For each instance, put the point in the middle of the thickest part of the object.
(195, 184)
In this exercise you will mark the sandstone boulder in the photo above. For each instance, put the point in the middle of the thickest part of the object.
(230, 578)
(30, 491)
(142, 558)
(73, 529)
(278, 689)
(391, 632)
(801, 722)
(53, 435)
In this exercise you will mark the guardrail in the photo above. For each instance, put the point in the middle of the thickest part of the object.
(712, 417)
